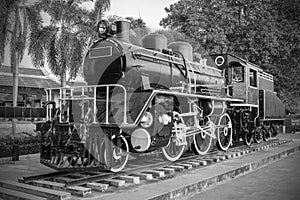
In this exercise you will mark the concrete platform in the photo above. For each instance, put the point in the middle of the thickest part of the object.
(194, 181)
(180, 186)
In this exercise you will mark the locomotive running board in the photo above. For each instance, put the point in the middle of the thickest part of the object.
(196, 96)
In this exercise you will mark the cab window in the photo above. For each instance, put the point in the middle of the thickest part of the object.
(238, 74)
(253, 78)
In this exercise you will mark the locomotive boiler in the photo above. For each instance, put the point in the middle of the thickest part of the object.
(138, 100)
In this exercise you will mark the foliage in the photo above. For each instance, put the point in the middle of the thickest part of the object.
(64, 41)
(265, 32)
(136, 23)
(17, 18)
(27, 145)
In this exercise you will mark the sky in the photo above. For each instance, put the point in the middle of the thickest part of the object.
(151, 11)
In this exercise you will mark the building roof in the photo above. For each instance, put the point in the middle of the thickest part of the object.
(28, 77)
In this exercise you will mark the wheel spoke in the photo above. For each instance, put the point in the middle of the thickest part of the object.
(224, 133)
(119, 154)
(202, 141)
(172, 151)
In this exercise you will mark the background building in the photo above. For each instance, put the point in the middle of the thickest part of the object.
(32, 83)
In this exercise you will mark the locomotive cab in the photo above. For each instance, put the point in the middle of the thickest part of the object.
(261, 109)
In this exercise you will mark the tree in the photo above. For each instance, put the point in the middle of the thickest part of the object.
(287, 61)
(64, 41)
(136, 23)
(265, 32)
(138, 30)
(17, 18)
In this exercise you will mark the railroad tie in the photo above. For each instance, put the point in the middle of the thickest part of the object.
(167, 170)
(16, 195)
(185, 165)
(143, 176)
(155, 173)
(79, 191)
(203, 162)
(114, 182)
(75, 190)
(177, 168)
(193, 163)
(221, 157)
(130, 179)
(34, 190)
(208, 160)
(97, 186)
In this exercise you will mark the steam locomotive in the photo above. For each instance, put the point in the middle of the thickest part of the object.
(140, 100)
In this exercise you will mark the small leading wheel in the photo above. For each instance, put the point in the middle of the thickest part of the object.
(176, 146)
(266, 134)
(247, 137)
(119, 155)
(248, 133)
(274, 130)
(257, 135)
(203, 140)
(224, 132)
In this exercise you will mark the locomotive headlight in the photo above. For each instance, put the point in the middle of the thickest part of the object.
(102, 28)
(113, 28)
(147, 120)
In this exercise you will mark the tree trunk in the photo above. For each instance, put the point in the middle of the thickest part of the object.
(15, 150)
(63, 77)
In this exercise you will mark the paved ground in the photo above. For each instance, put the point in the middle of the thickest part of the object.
(276, 181)
(26, 166)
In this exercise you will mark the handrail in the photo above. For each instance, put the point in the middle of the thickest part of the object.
(67, 94)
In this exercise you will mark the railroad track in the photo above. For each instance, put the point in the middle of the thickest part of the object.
(61, 185)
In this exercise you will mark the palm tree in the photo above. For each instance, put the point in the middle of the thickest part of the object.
(64, 40)
(17, 17)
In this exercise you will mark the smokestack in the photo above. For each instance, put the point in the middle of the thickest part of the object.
(123, 30)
